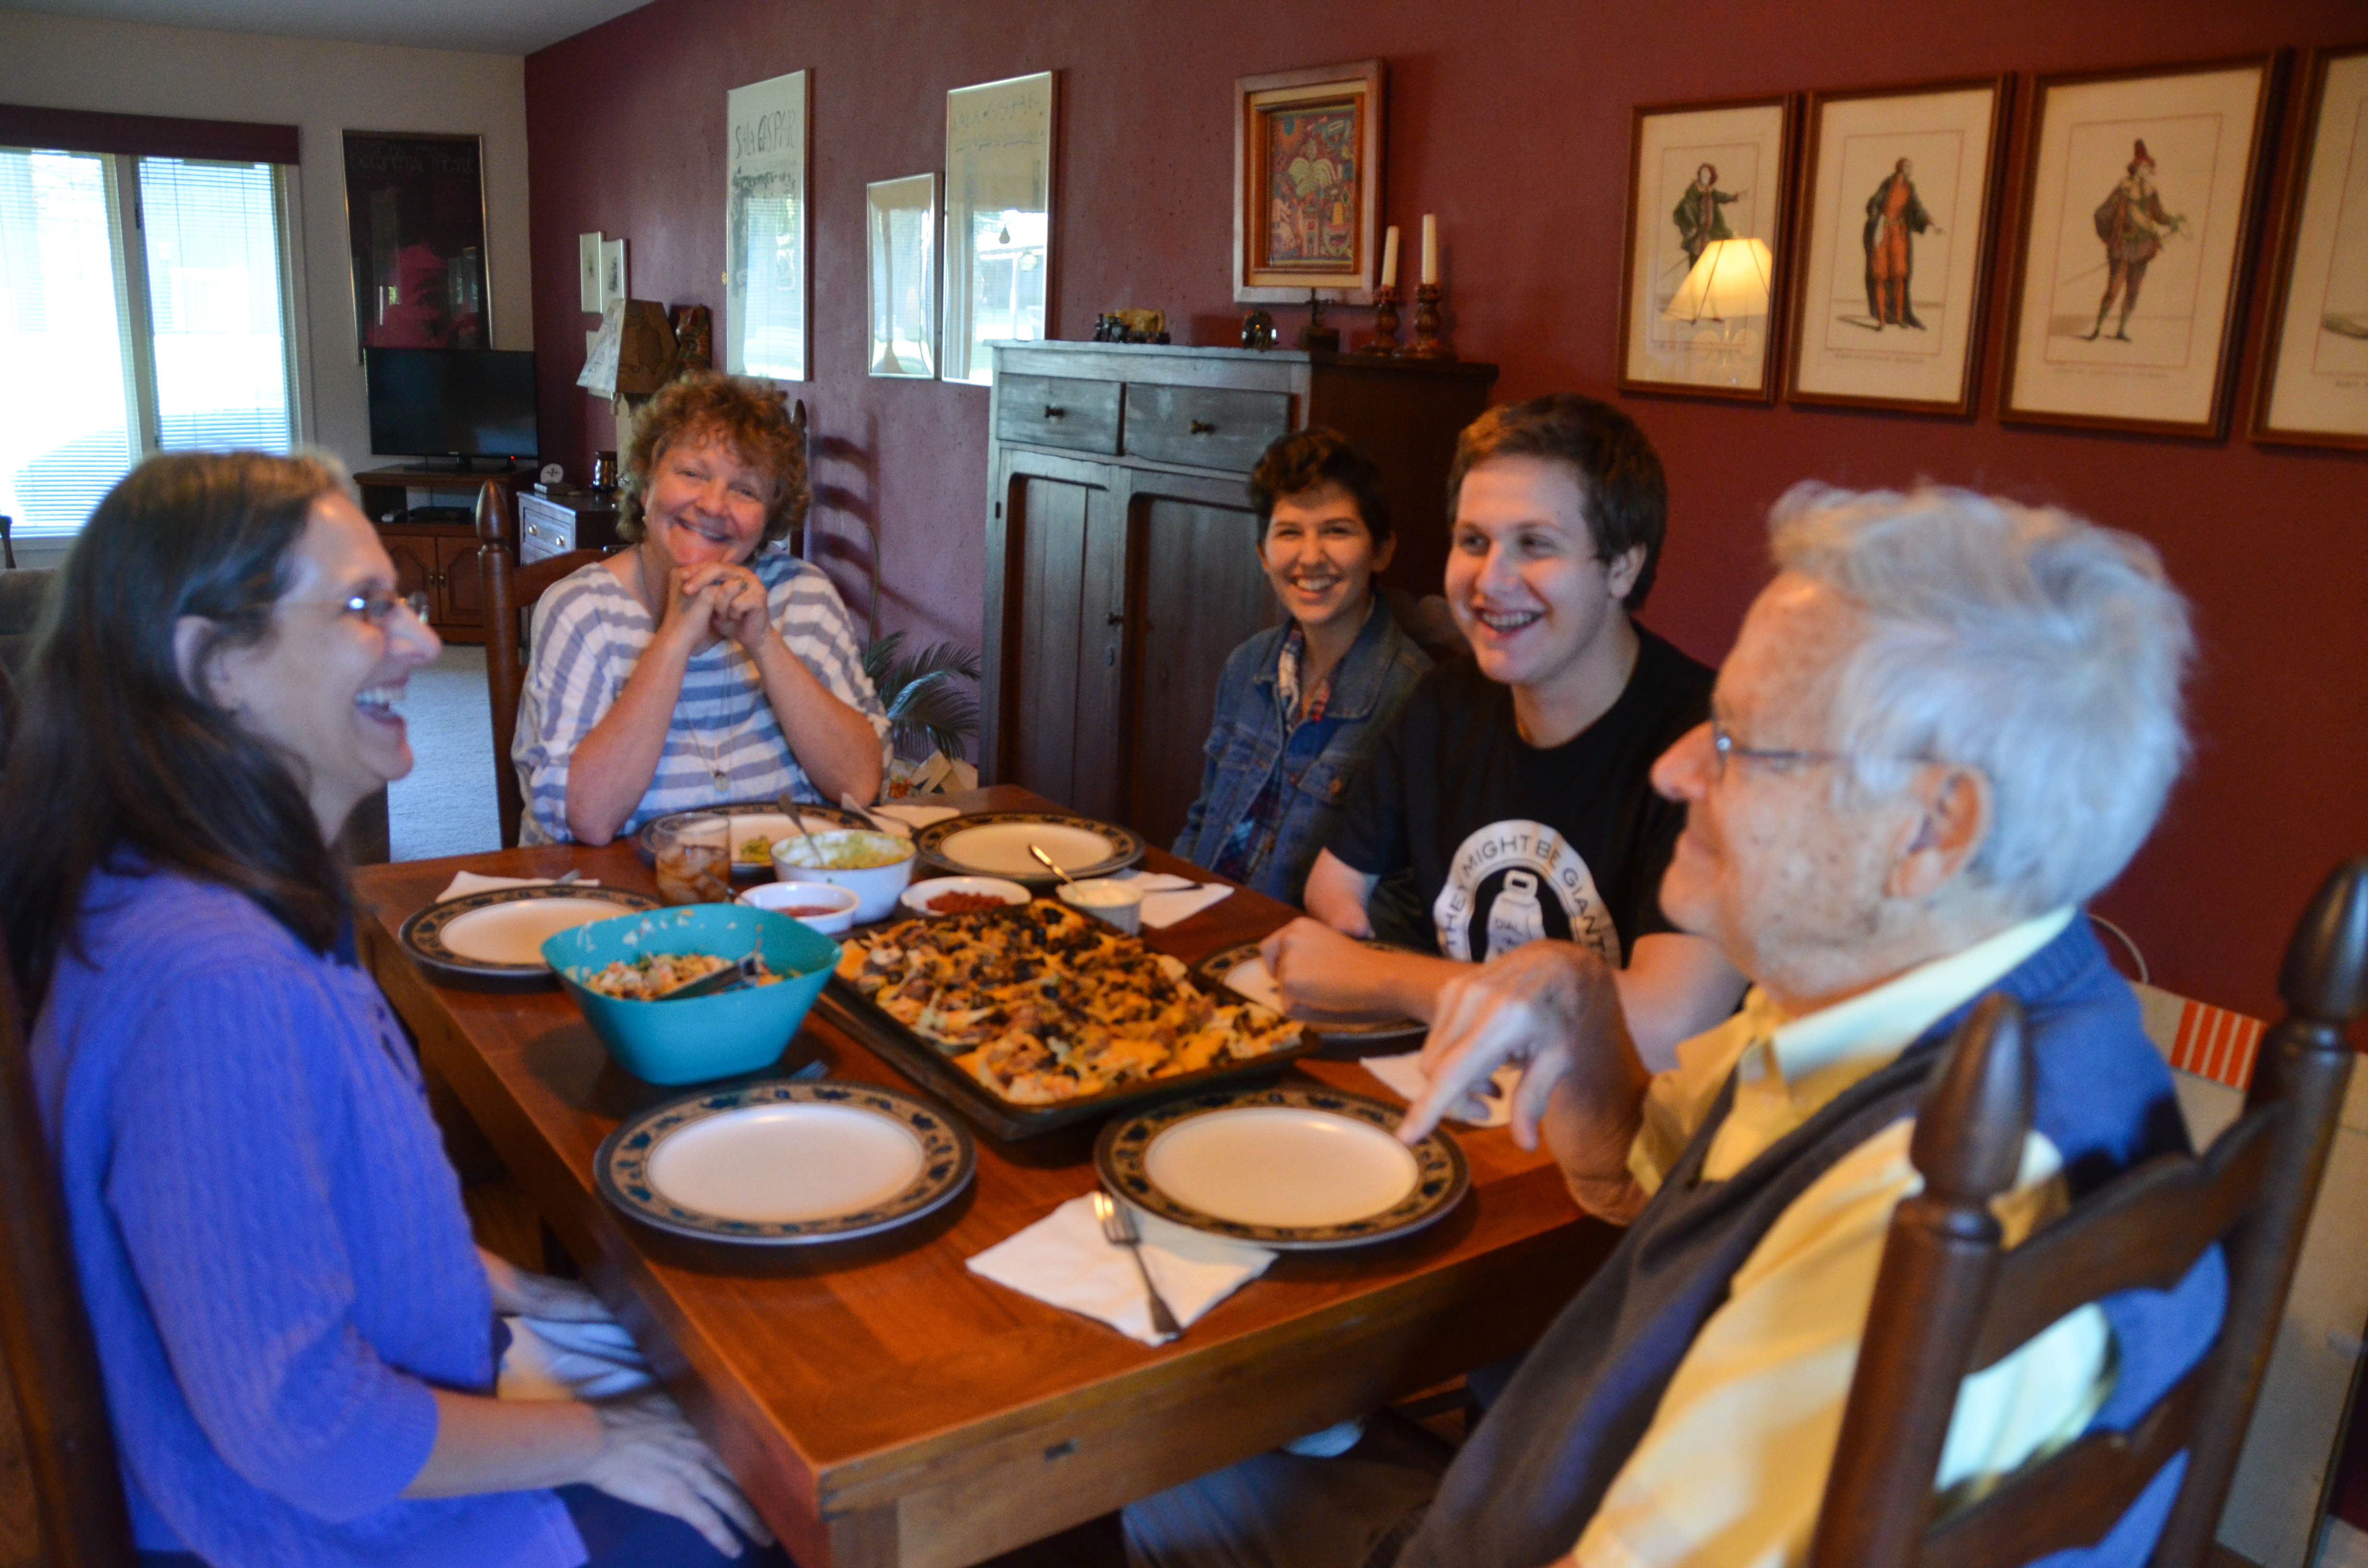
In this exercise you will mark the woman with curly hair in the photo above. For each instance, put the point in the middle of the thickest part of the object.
(702, 666)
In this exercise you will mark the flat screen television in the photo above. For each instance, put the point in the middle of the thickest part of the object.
(452, 403)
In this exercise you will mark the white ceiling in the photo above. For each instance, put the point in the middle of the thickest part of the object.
(491, 26)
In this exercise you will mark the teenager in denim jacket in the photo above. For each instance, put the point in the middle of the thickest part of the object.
(1301, 708)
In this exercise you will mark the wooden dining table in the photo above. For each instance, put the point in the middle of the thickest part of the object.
(879, 1403)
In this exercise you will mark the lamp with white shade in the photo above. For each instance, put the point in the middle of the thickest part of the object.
(1729, 285)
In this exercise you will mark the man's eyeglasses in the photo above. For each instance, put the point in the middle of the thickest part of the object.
(379, 609)
(1724, 746)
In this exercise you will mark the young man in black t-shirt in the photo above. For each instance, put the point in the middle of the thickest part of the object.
(1513, 792)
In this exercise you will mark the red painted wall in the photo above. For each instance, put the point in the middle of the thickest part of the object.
(1511, 119)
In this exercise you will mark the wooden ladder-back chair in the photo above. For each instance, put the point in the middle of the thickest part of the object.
(53, 1368)
(510, 589)
(1950, 1301)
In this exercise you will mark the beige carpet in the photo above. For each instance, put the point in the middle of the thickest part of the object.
(446, 805)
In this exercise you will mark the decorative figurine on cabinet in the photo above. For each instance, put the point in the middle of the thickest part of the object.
(1258, 330)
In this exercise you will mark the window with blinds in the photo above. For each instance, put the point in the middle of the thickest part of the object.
(143, 308)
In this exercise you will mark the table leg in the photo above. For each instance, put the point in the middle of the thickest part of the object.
(866, 1539)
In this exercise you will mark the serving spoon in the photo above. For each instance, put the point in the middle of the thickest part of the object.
(789, 805)
(1038, 850)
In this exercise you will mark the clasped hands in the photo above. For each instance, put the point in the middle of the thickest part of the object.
(648, 1453)
(718, 599)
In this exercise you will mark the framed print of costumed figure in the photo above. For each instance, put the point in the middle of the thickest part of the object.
(1901, 185)
(2138, 213)
(1709, 187)
(2313, 389)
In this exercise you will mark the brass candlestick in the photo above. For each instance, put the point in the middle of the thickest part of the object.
(1385, 324)
(1426, 344)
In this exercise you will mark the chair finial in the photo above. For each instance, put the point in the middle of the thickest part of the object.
(1969, 1133)
(2325, 972)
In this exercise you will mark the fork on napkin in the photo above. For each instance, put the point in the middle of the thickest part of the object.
(1064, 1259)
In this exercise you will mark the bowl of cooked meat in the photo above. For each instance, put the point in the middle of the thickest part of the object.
(705, 991)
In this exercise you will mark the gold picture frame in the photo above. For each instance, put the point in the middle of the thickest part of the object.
(1307, 183)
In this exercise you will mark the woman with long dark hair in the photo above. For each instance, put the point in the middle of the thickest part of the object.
(296, 1332)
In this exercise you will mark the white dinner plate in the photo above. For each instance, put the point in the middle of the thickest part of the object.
(1243, 971)
(1298, 1169)
(498, 934)
(996, 844)
(784, 1163)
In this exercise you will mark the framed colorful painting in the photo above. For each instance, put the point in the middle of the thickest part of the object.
(900, 246)
(765, 222)
(1709, 185)
(1886, 304)
(1307, 183)
(2138, 209)
(998, 221)
(2313, 390)
(415, 219)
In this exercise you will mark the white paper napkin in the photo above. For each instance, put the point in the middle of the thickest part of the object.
(913, 817)
(1161, 910)
(465, 882)
(1064, 1259)
(1405, 1077)
(1155, 882)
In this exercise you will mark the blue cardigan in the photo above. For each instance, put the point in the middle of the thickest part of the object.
(270, 1242)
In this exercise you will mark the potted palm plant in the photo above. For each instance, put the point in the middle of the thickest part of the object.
(932, 707)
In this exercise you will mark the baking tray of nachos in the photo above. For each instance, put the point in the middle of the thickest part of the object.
(1034, 1017)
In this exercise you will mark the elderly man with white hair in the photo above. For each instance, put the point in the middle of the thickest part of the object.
(1946, 723)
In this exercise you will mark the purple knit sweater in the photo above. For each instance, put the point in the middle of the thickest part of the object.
(271, 1243)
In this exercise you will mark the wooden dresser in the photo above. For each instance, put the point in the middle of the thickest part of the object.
(1122, 554)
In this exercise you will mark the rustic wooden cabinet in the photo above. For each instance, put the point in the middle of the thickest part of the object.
(1122, 559)
(438, 557)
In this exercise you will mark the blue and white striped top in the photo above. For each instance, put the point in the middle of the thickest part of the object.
(724, 742)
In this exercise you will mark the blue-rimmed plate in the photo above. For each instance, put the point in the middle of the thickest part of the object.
(996, 844)
(1297, 1169)
(498, 934)
(782, 1163)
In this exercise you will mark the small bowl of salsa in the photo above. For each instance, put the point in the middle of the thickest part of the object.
(825, 906)
(961, 895)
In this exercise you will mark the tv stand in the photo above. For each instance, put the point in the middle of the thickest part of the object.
(439, 559)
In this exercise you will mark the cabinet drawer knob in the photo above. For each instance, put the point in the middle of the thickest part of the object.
(1203, 428)
(1054, 411)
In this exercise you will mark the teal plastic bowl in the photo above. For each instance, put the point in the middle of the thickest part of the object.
(703, 1036)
